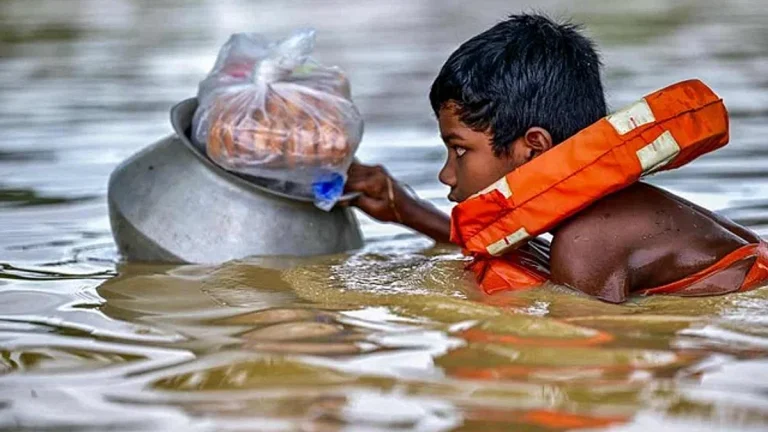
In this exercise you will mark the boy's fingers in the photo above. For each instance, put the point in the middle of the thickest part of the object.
(370, 205)
(358, 169)
(355, 185)
(355, 177)
(353, 169)
(368, 186)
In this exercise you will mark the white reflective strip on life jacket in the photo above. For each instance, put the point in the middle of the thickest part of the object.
(631, 117)
(500, 185)
(508, 242)
(658, 153)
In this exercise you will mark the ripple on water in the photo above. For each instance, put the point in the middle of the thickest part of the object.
(393, 337)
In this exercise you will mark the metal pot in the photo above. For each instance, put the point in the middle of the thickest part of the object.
(170, 203)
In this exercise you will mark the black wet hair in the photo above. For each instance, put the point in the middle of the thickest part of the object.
(523, 72)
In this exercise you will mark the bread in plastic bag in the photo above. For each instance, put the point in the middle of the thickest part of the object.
(269, 111)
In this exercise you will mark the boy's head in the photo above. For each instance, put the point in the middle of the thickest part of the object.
(511, 93)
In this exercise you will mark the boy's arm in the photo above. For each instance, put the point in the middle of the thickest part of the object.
(425, 218)
(741, 231)
(384, 199)
(419, 215)
(589, 267)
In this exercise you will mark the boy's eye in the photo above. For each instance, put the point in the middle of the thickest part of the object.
(460, 151)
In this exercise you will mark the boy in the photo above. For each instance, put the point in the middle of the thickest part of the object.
(510, 94)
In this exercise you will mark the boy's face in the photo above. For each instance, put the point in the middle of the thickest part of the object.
(472, 165)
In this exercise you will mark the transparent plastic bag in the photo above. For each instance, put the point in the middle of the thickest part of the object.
(267, 110)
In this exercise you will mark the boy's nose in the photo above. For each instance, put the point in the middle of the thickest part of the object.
(447, 176)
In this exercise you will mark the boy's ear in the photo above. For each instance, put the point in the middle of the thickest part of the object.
(536, 140)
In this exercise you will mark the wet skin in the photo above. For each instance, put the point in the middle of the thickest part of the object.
(644, 237)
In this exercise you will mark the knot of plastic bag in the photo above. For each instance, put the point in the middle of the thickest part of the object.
(285, 56)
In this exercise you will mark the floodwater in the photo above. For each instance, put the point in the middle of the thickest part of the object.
(390, 338)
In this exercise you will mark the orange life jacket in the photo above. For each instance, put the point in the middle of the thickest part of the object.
(662, 131)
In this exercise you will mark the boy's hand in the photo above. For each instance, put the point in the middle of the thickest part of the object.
(374, 183)
(385, 200)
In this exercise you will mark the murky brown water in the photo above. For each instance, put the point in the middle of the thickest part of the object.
(392, 337)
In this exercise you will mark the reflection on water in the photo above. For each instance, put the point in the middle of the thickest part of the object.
(392, 337)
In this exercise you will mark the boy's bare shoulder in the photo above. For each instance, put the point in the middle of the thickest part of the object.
(589, 252)
(640, 237)
(624, 215)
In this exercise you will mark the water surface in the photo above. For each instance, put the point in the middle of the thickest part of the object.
(392, 337)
